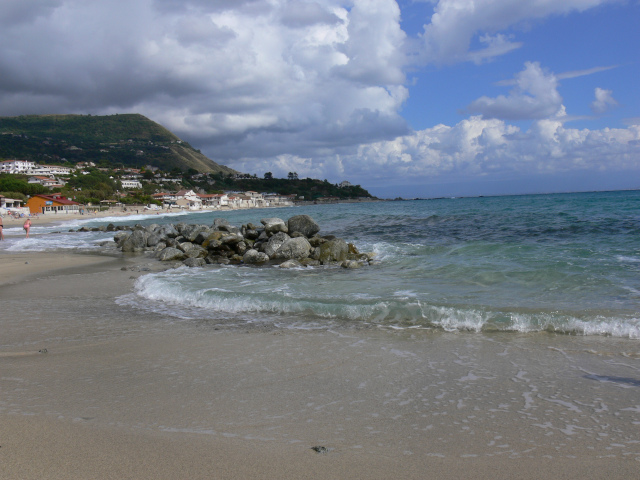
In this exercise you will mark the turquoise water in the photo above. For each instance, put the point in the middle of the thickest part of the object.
(565, 263)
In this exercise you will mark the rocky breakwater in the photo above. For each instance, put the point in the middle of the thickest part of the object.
(289, 244)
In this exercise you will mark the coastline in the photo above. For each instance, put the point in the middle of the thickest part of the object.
(123, 394)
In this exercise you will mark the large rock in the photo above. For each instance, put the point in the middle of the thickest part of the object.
(333, 251)
(294, 248)
(195, 262)
(167, 231)
(153, 240)
(252, 256)
(120, 237)
(275, 242)
(171, 253)
(274, 225)
(190, 232)
(303, 224)
(136, 242)
(213, 240)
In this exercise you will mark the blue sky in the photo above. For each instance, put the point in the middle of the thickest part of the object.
(407, 98)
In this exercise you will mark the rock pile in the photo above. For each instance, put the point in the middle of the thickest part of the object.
(291, 243)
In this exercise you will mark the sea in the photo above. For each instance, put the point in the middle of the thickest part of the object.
(553, 263)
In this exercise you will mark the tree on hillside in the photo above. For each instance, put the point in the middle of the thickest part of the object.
(268, 176)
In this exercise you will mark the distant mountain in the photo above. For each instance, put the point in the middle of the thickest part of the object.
(130, 140)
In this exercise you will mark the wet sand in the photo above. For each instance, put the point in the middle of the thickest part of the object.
(91, 388)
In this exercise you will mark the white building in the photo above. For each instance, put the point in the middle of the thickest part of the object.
(16, 166)
(49, 170)
(130, 184)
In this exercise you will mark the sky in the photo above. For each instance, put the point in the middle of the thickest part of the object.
(409, 98)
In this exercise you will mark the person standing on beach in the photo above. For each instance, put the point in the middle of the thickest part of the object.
(27, 226)
(1, 227)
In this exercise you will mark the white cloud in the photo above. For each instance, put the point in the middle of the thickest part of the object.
(604, 101)
(475, 147)
(535, 96)
(456, 23)
(282, 76)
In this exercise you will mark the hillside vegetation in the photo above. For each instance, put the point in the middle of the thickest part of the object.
(127, 140)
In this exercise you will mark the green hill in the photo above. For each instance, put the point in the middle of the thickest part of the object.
(129, 140)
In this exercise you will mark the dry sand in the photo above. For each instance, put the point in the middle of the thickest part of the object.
(120, 394)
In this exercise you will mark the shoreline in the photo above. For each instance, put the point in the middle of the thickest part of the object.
(122, 393)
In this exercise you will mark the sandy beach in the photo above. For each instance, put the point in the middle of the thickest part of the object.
(92, 389)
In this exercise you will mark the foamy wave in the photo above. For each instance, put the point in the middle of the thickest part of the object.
(265, 295)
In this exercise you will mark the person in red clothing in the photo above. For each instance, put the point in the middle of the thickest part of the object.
(27, 226)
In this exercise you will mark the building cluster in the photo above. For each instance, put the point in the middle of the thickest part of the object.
(130, 179)
(190, 200)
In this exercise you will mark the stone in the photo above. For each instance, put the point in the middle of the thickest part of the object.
(231, 239)
(170, 253)
(291, 264)
(294, 248)
(167, 231)
(136, 242)
(351, 264)
(213, 237)
(195, 262)
(303, 224)
(333, 251)
(309, 262)
(316, 241)
(121, 237)
(196, 251)
(274, 243)
(252, 256)
(274, 225)
(217, 222)
(153, 240)
(190, 232)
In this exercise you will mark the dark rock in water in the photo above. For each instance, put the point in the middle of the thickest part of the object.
(195, 262)
(303, 224)
(351, 264)
(274, 243)
(294, 248)
(111, 227)
(83, 229)
(171, 253)
(333, 251)
(252, 256)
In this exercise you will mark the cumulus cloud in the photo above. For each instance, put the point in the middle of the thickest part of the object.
(535, 96)
(456, 23)
(280, 77)
(604, 101)
(475, 147)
